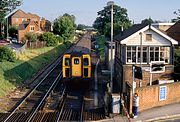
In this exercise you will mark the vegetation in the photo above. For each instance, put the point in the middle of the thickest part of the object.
(81, 27)
(30, 36)
(147, 21)
(64, 26)
(6, 54)
(177, 13)
(101, 44)
(50, 39)
(177, 59)
(28, 64)
(13, 31)
(103, 21)
(5, 7)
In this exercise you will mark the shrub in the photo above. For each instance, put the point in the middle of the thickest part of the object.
(67, 44)
(6, 54)
(50, 39)
(60, 39)
(31, 37)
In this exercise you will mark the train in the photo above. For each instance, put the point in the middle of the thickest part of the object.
(76, 65)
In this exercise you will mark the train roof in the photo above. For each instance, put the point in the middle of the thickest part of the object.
(79, 50)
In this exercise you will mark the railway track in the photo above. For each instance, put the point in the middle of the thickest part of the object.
(51, 101)
(36, 97)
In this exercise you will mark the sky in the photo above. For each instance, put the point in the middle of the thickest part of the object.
(85, 11)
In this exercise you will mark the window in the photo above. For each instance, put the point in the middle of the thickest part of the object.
(23, 19)
(162, 93)
(67, 61)
(86, 62)
(76, 61)
(31, 28)
(148, 37)
(17, 20)
(133, 54)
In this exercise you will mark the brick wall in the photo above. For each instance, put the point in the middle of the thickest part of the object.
(149, 96)
(127, 73)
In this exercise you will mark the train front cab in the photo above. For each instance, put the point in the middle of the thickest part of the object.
(86, 66)
(66, 66)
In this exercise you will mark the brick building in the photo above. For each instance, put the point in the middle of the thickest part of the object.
(140, 45)
(27, 26)
(27, 22)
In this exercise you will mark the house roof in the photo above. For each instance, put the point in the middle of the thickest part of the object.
(32, 15)
(133, 29)
(174, 31)
(136, 29)
(19, 14)
(23, 25)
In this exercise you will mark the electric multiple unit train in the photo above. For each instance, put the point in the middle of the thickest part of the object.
(76, 66)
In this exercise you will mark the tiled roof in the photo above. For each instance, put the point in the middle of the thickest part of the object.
(32, 15)
(23, 25)
(174, 31)
(133, 29)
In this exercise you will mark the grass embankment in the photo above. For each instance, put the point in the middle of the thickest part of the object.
(13, 74)
(101, 45)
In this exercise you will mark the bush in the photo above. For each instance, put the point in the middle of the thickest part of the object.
(6, 54)
(60, 39)
(50, 39)
(67, 44)
(31, 37)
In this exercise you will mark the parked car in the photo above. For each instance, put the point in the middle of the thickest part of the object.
(14, 40)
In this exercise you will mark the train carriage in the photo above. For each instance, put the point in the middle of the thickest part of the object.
(76, 66)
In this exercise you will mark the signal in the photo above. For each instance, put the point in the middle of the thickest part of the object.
(138, 72)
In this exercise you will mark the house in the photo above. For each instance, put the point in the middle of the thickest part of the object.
(17, 17)
(141, 45)
(174, 31)
(27, 26)
(45, 25)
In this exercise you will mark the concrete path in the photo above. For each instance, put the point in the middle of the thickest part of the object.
(151, 115)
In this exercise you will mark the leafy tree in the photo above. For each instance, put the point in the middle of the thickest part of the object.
(177, 13)
(7, 6)
(13, 31)
(120, 19)
(81, 27)
(50, 39)
(147, 21)
(64, 26)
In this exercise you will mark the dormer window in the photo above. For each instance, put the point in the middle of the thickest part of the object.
(148, 37)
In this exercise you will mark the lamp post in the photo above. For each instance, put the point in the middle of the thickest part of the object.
(111, 3)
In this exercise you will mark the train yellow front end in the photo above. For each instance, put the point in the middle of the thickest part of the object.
(76, 69)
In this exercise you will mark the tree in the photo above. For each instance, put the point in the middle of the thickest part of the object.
(103, 21)
(13, 31)
(81, 27)
(64, 26)
(7, 6)
(50, 39)
(147, 21)
(177, 13)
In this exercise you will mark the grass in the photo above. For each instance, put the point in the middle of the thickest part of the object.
(28, 64)
(101, 42)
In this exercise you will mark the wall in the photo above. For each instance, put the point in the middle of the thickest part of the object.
(149, 96)
(127, 73)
